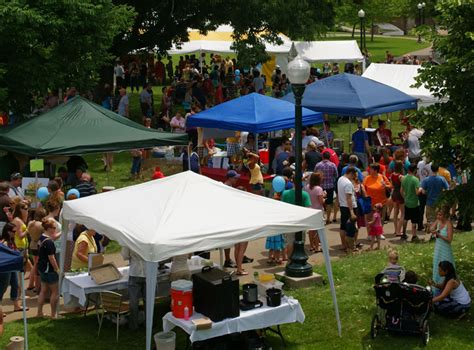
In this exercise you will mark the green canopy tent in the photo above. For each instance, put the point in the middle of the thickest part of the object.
(80, 127)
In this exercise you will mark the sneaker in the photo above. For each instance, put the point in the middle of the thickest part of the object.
(382, 237)
(404, 237)
(359, 245)
(230, 263)
(415, 239)
(247, 260)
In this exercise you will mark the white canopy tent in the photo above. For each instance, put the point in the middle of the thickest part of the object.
(327, 51)
(220, 41)
(169, 217)
(401, 77)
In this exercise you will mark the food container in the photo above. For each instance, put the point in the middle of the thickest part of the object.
(182, 298)
(274, 297)
(250, 293)
(262, 287)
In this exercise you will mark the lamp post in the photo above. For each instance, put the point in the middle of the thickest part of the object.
(361, 15)
(420, 7)
(298, 74)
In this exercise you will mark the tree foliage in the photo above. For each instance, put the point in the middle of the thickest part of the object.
(161, 23)
(449, 126)
(51, 44)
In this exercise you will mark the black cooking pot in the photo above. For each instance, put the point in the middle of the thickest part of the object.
(250, 293)
(274, 297)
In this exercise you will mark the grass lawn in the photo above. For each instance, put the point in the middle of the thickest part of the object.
(353, 279)
(398, 46)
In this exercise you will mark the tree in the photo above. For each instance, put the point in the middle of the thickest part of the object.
(161, 23)
(449, 126)
(47, 45)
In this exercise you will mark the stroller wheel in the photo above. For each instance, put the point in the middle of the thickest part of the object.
(425, 332)
(374, 326)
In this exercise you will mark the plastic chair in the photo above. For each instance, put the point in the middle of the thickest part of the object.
(112, 303)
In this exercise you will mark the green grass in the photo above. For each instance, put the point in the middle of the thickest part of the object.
(397, 46)
(353, 280)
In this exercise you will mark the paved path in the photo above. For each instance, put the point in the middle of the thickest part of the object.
(255, 250)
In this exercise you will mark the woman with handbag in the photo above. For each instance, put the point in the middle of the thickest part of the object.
(378, 187)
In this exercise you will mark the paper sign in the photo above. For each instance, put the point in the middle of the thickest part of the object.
(36, 165)
(365, 123)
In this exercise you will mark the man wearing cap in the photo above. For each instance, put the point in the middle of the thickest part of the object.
(360, 144)
(232, 178)
(15, 186)
(332, 153)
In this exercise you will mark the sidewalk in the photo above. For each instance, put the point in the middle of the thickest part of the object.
(255, 250)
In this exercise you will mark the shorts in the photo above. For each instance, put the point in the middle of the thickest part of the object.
(345, 215)
(256, 187)
(412, 214)
(430, 214)
(49, 277)
(233, 149)
(329, 196)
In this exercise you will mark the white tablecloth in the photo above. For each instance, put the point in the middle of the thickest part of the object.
(288, 312)
(80, 285)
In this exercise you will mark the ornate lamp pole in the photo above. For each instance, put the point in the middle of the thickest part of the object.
(361, 15)
(298, 74)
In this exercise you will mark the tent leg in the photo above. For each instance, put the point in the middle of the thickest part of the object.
(221, 258)
(350, 132)
(327, 261)
(151, 273)
(62, 258)
(23, 298)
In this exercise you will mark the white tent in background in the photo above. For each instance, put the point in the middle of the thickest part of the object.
(401, 77)
(168, 217)
(329, 51)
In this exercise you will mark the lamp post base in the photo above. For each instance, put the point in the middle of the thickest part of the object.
(298, 266)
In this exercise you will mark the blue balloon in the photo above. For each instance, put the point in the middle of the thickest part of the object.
(278, 184)
(237, 79)
(42, 193)
(73, 192)
(237, 72)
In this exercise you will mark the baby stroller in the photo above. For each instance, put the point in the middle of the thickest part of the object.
(402, 307)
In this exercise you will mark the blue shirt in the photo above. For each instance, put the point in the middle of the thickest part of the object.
(359, 173)
(433, 185)
(358, 141)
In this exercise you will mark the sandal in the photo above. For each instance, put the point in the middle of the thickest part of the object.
(241, 273)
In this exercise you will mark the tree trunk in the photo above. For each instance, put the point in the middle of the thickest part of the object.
(372, 30)
(353, 30)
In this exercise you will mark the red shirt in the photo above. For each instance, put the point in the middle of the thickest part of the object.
(334, 158)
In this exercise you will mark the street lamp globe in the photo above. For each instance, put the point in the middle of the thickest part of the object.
(298, 71)
(420, 6)
(361, 13)
(423, 4)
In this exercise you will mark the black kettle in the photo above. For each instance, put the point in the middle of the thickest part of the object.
(250, 293)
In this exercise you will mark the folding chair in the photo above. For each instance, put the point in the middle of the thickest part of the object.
(112, 303)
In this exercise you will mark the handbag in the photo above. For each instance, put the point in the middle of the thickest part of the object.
(364, 204)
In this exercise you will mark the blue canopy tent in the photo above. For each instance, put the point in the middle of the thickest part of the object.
(352, 95)
(12, 261)
(254, 113)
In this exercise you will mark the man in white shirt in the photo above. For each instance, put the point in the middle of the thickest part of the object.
(119, 73)
(423, 171)
(136, 284)
(15, 186)
(414, 150)
(123, 106)
(347, 201)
